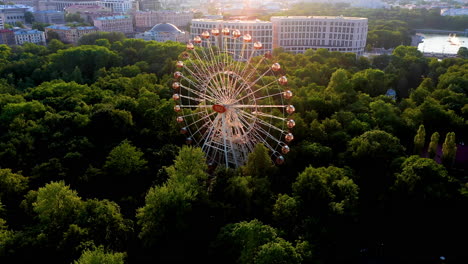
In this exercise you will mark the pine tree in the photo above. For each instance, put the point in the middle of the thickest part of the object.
(432, 150)
(419, 140)
(449, 150)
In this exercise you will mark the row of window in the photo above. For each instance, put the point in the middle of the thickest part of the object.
(15, 17)
(320, 23)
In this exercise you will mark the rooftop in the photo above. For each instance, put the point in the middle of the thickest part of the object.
(112, 17)
(165, 27)
(27, 31)
(62, 27)
(48, 12)
(231, 21)
(319, 17)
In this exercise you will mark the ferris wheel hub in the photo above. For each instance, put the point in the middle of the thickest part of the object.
(219, 108)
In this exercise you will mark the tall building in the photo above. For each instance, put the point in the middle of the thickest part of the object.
(119, 23)
(59, 5)
(299, 33)
(150, 5)
(49, 17)
(258, 30)
(118, 6)
(145, 20)
(164, 32)
(26, 35)
(70, 34)
(89, 12)
(12, 14)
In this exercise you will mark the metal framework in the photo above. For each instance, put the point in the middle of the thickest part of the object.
(230, 100)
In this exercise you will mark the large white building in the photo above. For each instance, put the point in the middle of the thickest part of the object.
(34, 36)
(259, 30)
(299, 33)
(294, 33)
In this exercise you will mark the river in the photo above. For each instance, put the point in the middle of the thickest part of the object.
(441, 44)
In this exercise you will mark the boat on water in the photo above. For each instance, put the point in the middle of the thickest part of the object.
(454, 40)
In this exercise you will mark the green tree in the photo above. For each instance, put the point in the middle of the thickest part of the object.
(374, 148)
(11, 183)
(449, 150)
(328, 189)
(100, 255)
(423, 178)
(167, 206)
(56, 205)
(259, 163)
(463, 52)
(419, 140)
(125, 160)
(277, 252)
(433, 145)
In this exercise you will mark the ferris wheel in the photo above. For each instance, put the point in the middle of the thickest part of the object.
(230, 96)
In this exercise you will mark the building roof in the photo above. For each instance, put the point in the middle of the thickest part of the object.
(48, 12)
(28, 31)
(318, 17)
(112, 17)
(61, 27)
(165, 27)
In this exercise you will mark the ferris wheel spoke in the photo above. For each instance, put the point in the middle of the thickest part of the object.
(204, 118)
(261, 139)
(256, 106)
(251, 93)
(258, 120)
(200, 94)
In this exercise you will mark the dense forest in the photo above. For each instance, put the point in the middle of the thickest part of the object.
(93, 168)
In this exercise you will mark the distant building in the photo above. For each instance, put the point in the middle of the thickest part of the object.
(89, 12)
(164, 32)
(150, 5)
(60, 5)
(454, 12)
(49, 17)
(145, 20)
(33, 36)
(70, 34)
(12, 14)
(121, 23)
(2, 26)
(259, 30)
(299, 33)
(7, 37)
(118, 6)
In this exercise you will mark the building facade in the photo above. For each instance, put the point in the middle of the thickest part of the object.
(89, 12)
(49, 17)
(33, 36)
(298, 33)
(70, 34)
(60, 5)
(164, 32)
(259, 30)
(145, 20)
(7, 37)
(121, 23)
(118, 6)
(12, 14)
